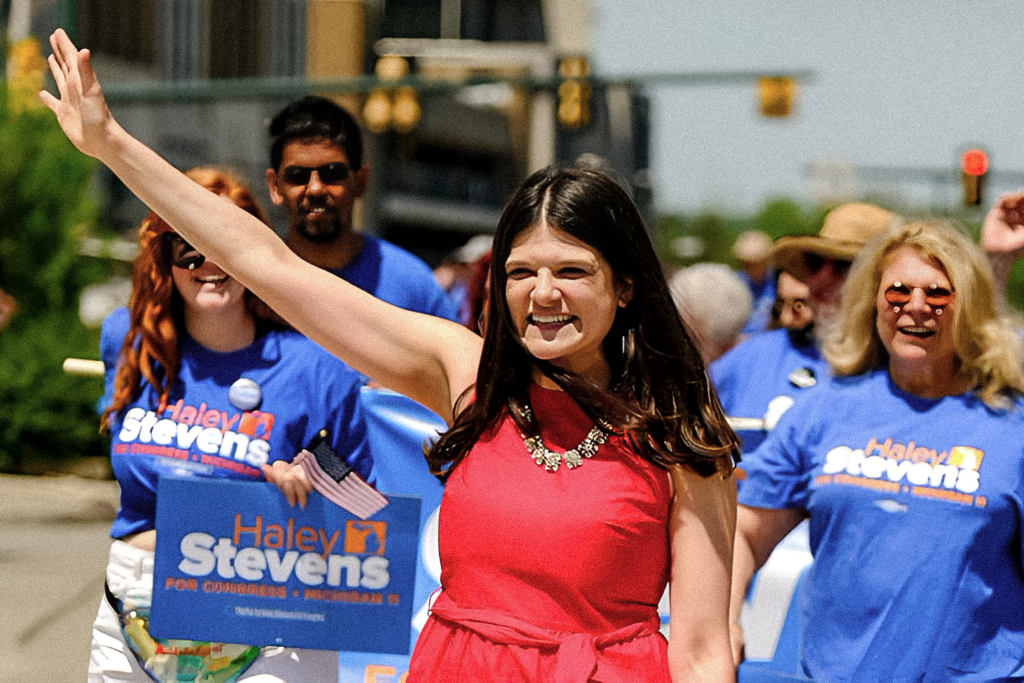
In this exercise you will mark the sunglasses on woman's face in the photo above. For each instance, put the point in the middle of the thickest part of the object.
(329, 174)
(182, 254)
(898, 294)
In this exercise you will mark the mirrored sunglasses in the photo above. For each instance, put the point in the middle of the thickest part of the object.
(181, 254)
(329, 174)
(898, 294)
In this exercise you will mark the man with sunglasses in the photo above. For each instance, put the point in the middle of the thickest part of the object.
(761, 377)
(316, 173)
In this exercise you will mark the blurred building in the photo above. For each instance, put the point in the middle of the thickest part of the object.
(440, 174)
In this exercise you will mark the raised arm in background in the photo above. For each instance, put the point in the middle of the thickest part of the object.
(1002, 238)
(428, 359)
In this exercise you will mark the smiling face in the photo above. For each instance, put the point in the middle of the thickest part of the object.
(917, 336)
(319, 209)
(208, 291)
(563, 298)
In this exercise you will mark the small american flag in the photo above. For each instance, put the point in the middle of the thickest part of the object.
(338, 482)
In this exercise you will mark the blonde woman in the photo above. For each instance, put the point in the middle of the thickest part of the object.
(910, 465)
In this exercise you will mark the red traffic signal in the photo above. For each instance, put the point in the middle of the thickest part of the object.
(974, 167)
(974, 162)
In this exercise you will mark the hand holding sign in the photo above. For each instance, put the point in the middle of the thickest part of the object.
(292, 479)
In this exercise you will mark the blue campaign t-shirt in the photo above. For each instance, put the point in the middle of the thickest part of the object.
(759, 370)
(916, 512)
(394, 275)
(206, 431)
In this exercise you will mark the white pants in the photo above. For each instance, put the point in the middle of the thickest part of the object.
(130, 572)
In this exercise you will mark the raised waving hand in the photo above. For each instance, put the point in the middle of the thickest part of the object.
(81, 110)
(1003, 232)
(1002, 237)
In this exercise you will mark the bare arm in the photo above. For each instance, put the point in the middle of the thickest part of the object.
(701, 535)
(428, 359)
(758, 531)
(1002, 237)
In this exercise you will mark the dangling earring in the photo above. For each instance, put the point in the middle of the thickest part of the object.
(895, 309)
(628, 349)
(938, 311)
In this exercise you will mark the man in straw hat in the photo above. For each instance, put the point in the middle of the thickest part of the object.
(822, 261)
(762, 376)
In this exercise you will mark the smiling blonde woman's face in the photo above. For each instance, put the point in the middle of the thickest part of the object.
(917, 335)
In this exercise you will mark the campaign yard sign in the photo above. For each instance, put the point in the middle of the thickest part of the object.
(236, 564)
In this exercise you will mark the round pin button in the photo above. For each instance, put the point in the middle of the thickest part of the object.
(245, 394)
(803, 378)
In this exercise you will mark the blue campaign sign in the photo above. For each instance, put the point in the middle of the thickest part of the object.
(236, 564)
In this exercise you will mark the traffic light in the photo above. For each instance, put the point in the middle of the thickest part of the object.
(974, 170)
(776, 94)
(574, 92)
(392, 108)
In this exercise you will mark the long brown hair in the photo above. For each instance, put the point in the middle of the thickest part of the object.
(151, 348)
(660, 398)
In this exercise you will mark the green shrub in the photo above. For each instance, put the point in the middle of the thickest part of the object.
(47, 415)
(45, 211)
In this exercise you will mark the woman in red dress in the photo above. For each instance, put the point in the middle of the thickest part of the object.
(588, 461)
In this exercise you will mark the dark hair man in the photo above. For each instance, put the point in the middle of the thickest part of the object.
(316, 173)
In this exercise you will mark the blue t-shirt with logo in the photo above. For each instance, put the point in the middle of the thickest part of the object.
(394, 275)
(760, 370)
(916, 512)
(208, 431)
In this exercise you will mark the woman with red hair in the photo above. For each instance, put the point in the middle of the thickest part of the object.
(197, 356)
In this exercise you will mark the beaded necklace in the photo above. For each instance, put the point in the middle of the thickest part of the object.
(549, 459)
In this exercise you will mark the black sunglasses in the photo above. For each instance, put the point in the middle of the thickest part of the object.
(181, 254)
(816, 262)
(329, 174)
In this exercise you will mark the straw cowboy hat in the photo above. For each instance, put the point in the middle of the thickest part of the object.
(847, 229)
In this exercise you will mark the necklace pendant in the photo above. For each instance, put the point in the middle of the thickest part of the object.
(551, 461)
(573, 459)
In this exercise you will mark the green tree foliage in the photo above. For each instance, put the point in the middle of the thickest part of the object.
(1015, 290)
(45, 211)
(716, 232)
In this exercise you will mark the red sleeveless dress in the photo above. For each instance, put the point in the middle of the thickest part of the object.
(549, 576)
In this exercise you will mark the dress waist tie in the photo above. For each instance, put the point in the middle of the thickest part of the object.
(578, 653)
